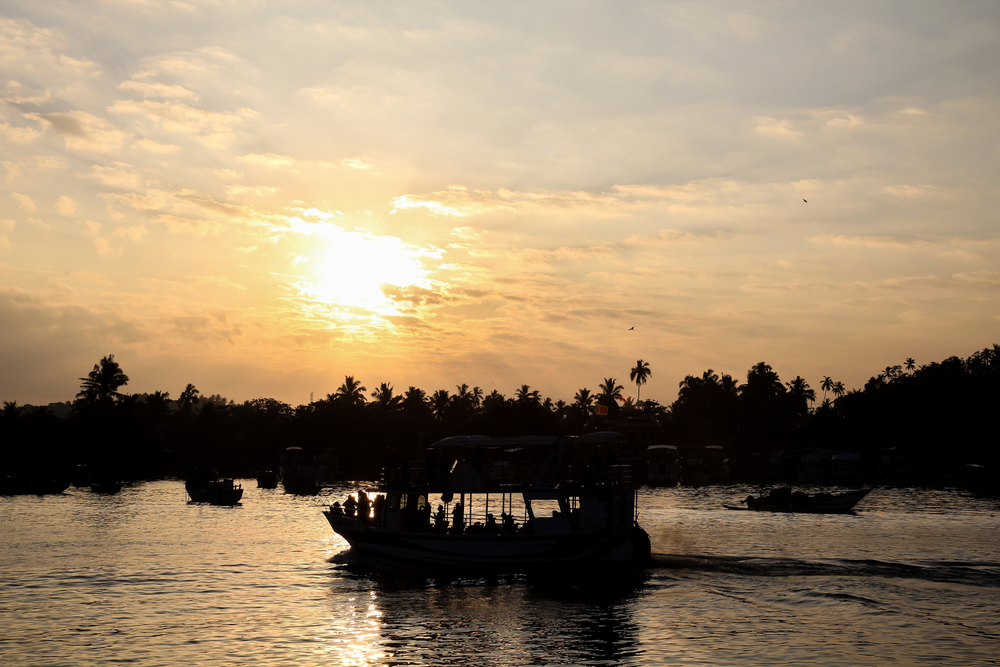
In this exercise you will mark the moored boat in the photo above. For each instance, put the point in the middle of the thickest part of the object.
(785, 500)
(215, 491)
(298, 472)
(267, 479)
(28, 484)
(105, 485)
(562, 501)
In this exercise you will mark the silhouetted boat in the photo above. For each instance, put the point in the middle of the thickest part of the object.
(786, 500)
(105, 486)
(40, 485)
(214, 491)
(574, 495)
(298, 472)
(267, 479)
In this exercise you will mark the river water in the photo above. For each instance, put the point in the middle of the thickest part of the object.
(145, 577)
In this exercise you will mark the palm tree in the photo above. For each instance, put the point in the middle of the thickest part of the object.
(439, 402)
(910, 364)
(415, 402)
(611, 391)
(525, 394)
(477, 397)
(101, 384)
(156, 405)
(800, 392)
(11, 410)
(839, 389)
(384, 397)
(351, 392)
(826, 385)
(189, 397)
(639, 375)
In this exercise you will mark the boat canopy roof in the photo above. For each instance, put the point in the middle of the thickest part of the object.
(599, 438)
(487, 441)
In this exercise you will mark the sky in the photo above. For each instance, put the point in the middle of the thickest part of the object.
(260, 198)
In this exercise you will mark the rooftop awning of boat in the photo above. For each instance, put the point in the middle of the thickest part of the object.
(603, 438)
(486, 441)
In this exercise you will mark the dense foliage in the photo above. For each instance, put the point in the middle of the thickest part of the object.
(942, 406)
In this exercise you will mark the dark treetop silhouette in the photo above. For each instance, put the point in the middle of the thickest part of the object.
(915, 409)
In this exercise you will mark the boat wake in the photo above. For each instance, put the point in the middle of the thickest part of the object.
(973, 573)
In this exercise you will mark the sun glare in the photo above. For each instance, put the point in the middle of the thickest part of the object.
(352, 270)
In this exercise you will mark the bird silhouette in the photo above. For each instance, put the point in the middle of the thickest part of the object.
(630, 328)
(805, 200)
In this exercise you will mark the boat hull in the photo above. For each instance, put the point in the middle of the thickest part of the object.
(380, 548)
(216, 493)
(829, 504)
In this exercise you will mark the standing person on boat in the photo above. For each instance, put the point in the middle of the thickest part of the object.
(350, 505)
(458, 519)
(378, 504)
(363, 506)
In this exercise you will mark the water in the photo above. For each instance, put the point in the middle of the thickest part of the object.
(144, 577)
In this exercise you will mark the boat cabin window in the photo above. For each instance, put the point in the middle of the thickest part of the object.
(394, 502)
(421, 502)
(544, 507)
(402, 501)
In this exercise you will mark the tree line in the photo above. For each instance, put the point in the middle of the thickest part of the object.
(946, 406)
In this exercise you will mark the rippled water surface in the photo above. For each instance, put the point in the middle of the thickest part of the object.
(145, 577)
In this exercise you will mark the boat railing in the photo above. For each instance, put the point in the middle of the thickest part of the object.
(509, 479)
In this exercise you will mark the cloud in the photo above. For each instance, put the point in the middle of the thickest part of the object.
(179, 225)
(354, 163)
(24, 201)
(257, 190)
(153, 200)
(268, 160)
(776, 129)
(66, 206)
(157, 90)
(135, 233)
(21, 135)
(213, 127)
(105, 248)
(873, 242)
(119, 175)
(155, 148)
(82, 131)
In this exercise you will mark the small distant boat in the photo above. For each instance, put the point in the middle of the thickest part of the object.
(105, 486)
(267, 479)
(298, 472)
(41, 485)
(214, 491)
(785, 500)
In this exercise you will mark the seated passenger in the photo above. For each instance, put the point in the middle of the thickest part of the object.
(491, 527)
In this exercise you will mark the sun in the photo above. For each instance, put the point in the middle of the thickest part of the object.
(352, 267)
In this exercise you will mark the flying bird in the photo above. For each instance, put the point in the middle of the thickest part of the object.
(805, 200)
(630, 328)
